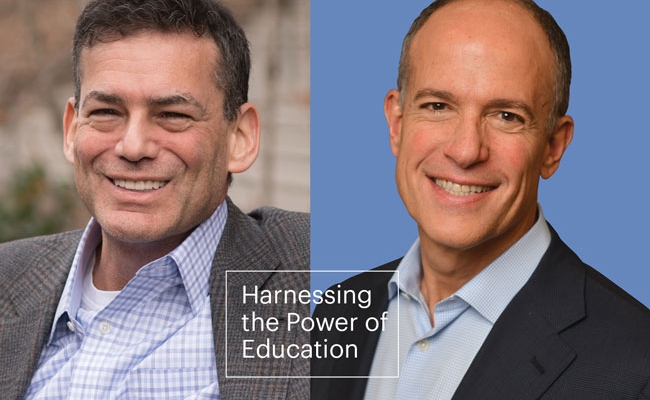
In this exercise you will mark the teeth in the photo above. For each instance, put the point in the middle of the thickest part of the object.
(461, 190)
(139, 185)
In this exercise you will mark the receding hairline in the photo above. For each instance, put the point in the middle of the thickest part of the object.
(413, 33)
(554, 37)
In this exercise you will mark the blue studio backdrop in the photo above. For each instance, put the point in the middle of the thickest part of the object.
(597, 200)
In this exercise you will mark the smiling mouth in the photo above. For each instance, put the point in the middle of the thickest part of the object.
(139, 185)
(457, 189)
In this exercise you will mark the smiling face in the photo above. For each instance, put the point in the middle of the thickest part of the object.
(149, 143)
(471, 136)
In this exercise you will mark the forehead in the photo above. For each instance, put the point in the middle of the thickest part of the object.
(505, 17)
(151, 59)
(496, 39)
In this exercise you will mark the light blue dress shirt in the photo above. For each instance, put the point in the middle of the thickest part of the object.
(432, 360)
(153, 339)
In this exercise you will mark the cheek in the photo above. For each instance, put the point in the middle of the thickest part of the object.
(93, 141)
(420, 142)
(88, 146)
(417, 145)
(207, 157)
(520, 159)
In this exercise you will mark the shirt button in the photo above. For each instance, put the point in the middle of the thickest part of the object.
(423, 345)
(104, 328)
(406, 296)
(70, 326)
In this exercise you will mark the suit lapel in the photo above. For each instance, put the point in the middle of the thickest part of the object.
(22, 341)
(34, 297)
(366, 342)
(243, 246)
(524, 353)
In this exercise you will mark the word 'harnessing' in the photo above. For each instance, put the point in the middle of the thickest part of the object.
(289, 296)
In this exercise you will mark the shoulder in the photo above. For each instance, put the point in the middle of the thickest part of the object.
(611, 303)
(593, 314)
(269, 230)
(48, 250)
(289, 235)
(612, 341)
(377, 277)
(283, 224)
(602, 296)
(36, 266)
(569, 284)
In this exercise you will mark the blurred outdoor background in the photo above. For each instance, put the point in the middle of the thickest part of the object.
(37, 194)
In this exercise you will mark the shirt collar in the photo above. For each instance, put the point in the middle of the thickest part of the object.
(193, 258)
(490, 291)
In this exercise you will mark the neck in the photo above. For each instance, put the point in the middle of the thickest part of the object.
(117, 262)
(446, 269)
(443, 273)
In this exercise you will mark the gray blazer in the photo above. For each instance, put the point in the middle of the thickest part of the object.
(33, 272)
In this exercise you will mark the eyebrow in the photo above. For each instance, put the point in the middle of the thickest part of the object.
(102, 97)
(175, 99)
(441, 94)
(178, 99)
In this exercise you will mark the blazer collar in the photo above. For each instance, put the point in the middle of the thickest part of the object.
(244, 245)
(35, 295)
(524, 353)
(365, 342)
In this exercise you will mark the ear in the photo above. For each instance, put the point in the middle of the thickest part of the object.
(69, 129)
(244, 142)
(557, 143)
(393, 113)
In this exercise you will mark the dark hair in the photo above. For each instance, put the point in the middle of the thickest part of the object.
(108, 20)
(554, 34)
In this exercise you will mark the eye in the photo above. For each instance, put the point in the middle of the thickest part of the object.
(174, 121)
(103, 112)
(507, 121)
(173, 115)
(436, 106)
(104, 119)
(510, 117)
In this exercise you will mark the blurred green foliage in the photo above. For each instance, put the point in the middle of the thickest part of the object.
(32, 205)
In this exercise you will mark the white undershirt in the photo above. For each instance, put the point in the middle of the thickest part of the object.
(93, 299)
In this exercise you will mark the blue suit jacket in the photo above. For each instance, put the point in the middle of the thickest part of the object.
(569, 333)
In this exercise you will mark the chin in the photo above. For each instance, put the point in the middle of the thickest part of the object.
(136, 229)
(452, 236)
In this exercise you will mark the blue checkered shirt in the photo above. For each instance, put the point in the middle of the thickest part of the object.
(154, 340)
(431, 360)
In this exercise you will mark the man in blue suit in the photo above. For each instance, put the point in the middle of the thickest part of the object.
(488, 303)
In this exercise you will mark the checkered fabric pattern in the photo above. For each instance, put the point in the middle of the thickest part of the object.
(154, 340)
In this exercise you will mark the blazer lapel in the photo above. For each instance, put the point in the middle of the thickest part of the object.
(365, 342)
(244, 247)
(22, 341)
(524, 353)
(34, 297)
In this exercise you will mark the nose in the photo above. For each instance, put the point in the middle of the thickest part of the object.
(467, 144)
(137, 141)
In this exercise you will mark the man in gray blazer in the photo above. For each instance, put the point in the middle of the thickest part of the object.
(148, 299)
(488, 303)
